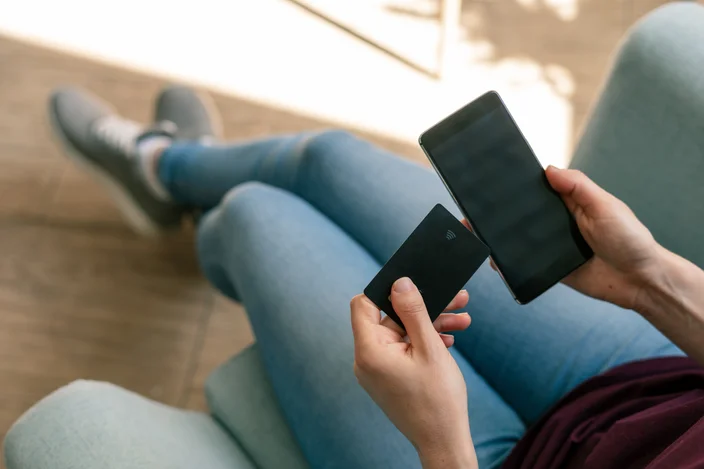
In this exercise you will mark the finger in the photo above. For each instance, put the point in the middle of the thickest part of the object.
(386, 321)
(448, 340)
(576, 189)
(466, 224)
(410, 307)
(450, 322)
(459, 301)
(446, 322)
(493, 264)
(365, 315)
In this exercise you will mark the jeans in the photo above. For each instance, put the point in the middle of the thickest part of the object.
(297, 225)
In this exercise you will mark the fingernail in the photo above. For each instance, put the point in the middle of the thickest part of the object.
(403, 285)
(450, 339)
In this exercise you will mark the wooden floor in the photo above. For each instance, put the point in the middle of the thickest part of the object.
(83, 297)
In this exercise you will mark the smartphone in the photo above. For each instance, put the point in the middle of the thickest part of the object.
(501, 188)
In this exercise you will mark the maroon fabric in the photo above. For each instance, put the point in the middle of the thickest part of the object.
(647, 414)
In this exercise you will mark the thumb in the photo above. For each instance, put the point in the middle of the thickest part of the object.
(410, 307)
(365, 315)
(578, 191)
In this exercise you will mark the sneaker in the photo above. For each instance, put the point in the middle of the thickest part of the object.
(192, 112)
(195, 118)
(104, 143)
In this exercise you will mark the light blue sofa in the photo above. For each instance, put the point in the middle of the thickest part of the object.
(644, 142)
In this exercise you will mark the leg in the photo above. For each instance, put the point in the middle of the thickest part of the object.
(296, 272)
(122, 156)
(373, 195)
(378, 199)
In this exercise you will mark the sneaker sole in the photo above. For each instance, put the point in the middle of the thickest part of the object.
(138, 219)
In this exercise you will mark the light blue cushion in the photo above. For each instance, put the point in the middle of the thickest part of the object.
(88, 425)
(645, 140)
(241, 397)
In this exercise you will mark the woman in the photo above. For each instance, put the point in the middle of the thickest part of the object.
(295, 226)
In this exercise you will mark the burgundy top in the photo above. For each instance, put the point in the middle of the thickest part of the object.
(647, 414)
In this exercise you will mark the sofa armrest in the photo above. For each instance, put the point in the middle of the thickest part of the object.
(645, 139)
(90, 424)
(241, 397)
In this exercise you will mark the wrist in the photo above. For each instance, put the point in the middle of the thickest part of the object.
(449, 455)
(673, 302)
(455, 460)
(659, 284)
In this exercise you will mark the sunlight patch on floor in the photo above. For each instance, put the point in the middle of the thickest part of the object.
(565, 9)
(275, 53)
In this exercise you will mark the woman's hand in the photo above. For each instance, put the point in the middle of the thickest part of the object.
(416, 381)
(625, 253)
(629, 267)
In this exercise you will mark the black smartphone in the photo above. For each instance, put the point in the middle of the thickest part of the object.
(501, 188)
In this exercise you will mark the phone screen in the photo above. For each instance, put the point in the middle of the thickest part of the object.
(501, 188)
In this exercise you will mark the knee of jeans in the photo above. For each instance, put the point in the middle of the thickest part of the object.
(220, 232)
(247, 212)
(322, 148)
(245, 201)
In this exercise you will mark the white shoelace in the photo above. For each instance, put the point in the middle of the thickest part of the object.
(119, 133)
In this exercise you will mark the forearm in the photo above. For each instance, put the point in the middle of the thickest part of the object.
(673, 301)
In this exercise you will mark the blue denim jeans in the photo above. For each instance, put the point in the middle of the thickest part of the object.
(297, 225)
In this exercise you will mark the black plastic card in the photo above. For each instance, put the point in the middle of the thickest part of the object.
(440, 256)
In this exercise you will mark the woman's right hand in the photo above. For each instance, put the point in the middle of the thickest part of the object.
(413, 378)
(625, 253)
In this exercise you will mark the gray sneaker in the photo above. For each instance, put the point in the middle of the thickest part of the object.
(103, 143)
(193, 113)
(194, 116)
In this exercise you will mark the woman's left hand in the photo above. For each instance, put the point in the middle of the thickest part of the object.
(416, 382)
